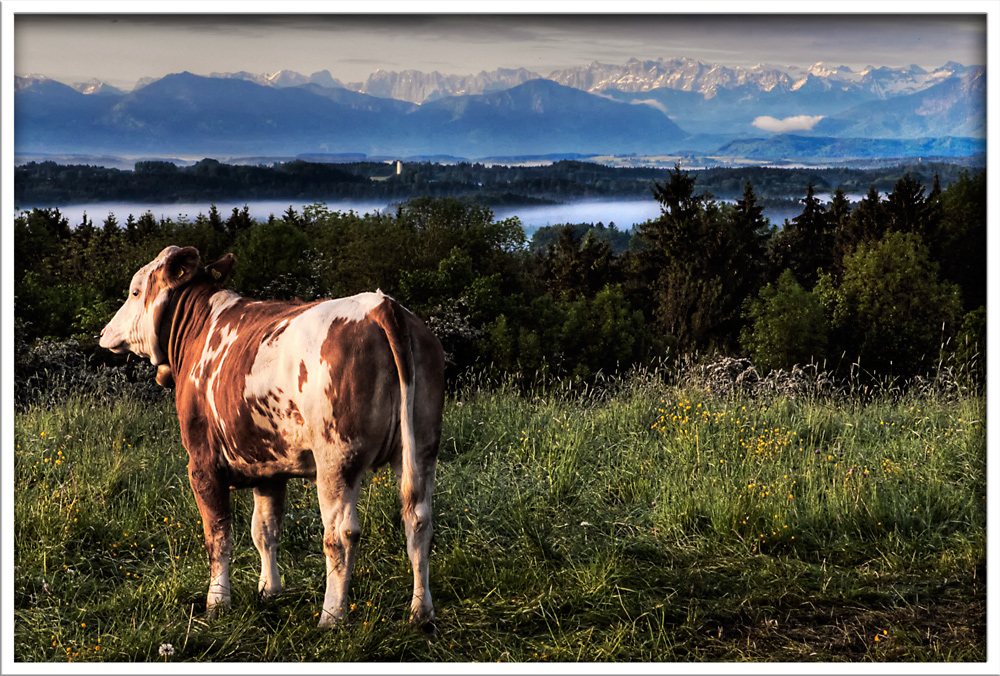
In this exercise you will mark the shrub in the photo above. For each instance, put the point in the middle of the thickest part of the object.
(278, 262)
(787, 325)
(891, 310)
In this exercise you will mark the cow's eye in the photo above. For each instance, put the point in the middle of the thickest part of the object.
(135, 292)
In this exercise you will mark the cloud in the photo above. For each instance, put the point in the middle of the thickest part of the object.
(652, 103)
(795, 123)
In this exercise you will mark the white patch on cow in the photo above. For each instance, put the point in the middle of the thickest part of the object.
(212, 362)
(134, 327)
(212, 359)
(218, 302)
(355, 308)
(221, 300)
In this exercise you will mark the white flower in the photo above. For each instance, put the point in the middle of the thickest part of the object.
(166, 649)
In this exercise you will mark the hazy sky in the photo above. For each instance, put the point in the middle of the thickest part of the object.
(120, 49)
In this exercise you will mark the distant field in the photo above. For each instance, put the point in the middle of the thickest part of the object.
(632, 521)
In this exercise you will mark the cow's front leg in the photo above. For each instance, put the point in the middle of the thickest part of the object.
(212, 496)
(268, 512)
(338, 506)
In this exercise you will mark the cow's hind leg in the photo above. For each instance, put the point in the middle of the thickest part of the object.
(338, 503)
(419, 529)
(212, 496)
(268, 512)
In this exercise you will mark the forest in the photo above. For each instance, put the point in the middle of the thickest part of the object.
(51, 184)
(893, 285)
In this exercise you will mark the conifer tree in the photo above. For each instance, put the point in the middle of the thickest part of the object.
(904, 206)
(805, 244)
(700, 262)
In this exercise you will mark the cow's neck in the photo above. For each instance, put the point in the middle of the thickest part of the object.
(187, 317)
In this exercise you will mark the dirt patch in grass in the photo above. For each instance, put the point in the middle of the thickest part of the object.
(951, 630)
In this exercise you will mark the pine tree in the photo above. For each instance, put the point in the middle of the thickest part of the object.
(904, 206)
(805, 244)
(700, 261)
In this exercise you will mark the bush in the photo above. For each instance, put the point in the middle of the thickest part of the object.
(604, 334)
(891, 311)
(46, 372)
(277, 262)
(788, 325)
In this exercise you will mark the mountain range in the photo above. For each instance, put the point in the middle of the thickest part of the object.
(674, 106)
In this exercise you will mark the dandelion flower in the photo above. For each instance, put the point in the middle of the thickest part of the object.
(166, 649)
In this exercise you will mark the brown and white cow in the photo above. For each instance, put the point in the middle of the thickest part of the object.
(267, 391)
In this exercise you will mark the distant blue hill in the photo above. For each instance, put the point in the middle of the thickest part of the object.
(189, 114)
(186, 114)
(791, 146)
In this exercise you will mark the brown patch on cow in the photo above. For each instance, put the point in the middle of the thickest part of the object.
(357, 356)
(303, 374)
(302, 465)
(390, 316)
(364, 396)
(272, 336)
(154, 284)
(293, 413)
(211, 491)
(215, 341)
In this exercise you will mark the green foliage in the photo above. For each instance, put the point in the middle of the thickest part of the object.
(805, 244)
(891, 311)
(700, 261)
(277, 262)
(603, 334)
(545, 236)
(905, 206)
(577, 301)
(571, 266)
(959, 241)
(970, 348)
(788, 325)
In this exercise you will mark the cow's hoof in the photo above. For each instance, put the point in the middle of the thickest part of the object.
(424, 624)
(214, 612)
(267, 594)
(328, 621)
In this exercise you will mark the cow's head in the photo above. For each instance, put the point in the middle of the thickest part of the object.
(136, 326)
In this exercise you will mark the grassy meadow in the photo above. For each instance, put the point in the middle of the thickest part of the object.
(646, 518)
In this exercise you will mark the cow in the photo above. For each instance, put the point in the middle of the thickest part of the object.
(268, 391)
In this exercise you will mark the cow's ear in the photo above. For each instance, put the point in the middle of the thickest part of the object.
(181, 265)
(222, 268)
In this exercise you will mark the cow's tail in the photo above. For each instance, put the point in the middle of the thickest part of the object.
(390, 316)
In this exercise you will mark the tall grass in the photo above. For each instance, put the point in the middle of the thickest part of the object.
(647, 517)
